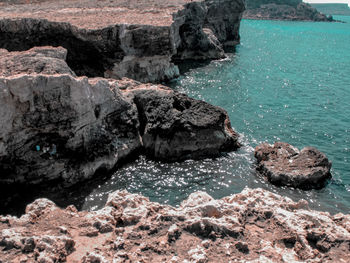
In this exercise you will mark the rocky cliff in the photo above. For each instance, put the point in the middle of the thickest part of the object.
(56, 126)
(116, 39)
(253, 226)
(283, 10)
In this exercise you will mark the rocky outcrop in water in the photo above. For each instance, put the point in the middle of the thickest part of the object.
(253, 226)
(283, 164)
(135, 39)
(56, 126)
(295, 10)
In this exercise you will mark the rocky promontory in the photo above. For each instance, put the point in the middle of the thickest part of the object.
(56, 126)
(138, 39)
(295, 10)
(253, 226)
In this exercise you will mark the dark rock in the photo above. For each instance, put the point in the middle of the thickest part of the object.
(205, 28)
(242, 247)
(64, 128)
(175, 127)
(284, 164)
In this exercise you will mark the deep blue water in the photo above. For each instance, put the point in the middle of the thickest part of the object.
(287, 81)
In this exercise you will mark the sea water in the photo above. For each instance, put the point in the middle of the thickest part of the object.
(287, 81)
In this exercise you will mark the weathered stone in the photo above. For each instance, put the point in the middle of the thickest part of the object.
(62, 127)
(175, 127)
(255, 226)
(283, 164)
(135, 39)
(38, 60)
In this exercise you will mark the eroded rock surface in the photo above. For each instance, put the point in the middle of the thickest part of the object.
(116, 39)
(295, 10)
(283, 164)
(253, 226)
(56, 126)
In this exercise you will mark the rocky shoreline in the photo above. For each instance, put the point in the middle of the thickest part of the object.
(253, 226)
(140, 40)
(68, 113)
(59, 127)
(291, 10)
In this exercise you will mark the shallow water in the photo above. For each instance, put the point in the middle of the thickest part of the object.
(288, 81)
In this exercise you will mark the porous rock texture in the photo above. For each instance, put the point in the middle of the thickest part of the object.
(283, 164)
(253, 226)
(138, 39)
(56, 126)
(295, 10)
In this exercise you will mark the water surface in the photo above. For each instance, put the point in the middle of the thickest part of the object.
(288, 81)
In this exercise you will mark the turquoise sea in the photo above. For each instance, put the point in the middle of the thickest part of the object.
(287, 81)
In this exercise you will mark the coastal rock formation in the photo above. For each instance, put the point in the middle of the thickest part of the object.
(283, 164)
(175, 127)
(56, 126)
(137, 39)
(283, 10)
(253, 226)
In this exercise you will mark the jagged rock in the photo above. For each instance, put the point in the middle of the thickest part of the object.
(268, 227)
(40, 207)
(208, 27)
(283, 10)
(175, 127)
(56, 126)
(135, 39)
(284, 164)
(39, 60)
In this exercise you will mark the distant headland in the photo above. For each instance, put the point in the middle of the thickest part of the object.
(283, 10)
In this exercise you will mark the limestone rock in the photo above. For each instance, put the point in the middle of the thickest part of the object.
(254, 226)
(283, 164)
(175, 127)
(39, 60)
(206, 28)
(56, 126)
(135, 39)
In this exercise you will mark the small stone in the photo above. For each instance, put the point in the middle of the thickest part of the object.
(206, 243)
(242, 247)
(28, 245)
(173, 233)
(89, 232)
(63, 230)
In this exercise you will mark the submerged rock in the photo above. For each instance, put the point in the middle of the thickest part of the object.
(137, 39)
(252, 226)
(56, 126)
(283, 164)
